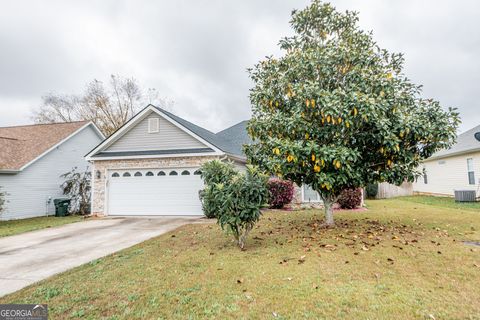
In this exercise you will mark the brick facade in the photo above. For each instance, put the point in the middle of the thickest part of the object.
(103, 166)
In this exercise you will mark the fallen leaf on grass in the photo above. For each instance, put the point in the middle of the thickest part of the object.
(364, 248)
(240, 280)
(301, 260)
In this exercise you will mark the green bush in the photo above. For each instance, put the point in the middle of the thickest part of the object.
(236, 201)
(214, 172)
(3, 201)
(371, 190)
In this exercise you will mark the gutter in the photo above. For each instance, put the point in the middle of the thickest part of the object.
(9, 171)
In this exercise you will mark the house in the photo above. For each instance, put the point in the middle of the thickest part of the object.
(150, 166)
(457, 168)
(33, 157)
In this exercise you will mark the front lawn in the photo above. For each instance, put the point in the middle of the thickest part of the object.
(445, 202)
(397, 260)
(11, 227)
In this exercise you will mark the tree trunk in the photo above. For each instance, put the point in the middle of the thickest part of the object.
(328, 203)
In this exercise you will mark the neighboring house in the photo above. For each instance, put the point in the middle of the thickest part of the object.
(150, 166)
(33, 157)
(457, 168)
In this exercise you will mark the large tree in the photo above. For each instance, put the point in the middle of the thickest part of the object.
(109, 105)
(336, 112)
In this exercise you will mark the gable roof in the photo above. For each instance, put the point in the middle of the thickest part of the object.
(229, 141)
(466, 142)
(22, 145)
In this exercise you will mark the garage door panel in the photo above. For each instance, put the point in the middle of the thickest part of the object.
(154, 195)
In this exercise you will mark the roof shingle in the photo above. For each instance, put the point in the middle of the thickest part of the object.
(20, 145)
(465, 142)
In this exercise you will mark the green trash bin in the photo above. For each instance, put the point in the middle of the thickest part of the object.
(61, 207)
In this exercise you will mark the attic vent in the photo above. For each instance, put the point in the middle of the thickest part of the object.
(477, 136)
(153, 125)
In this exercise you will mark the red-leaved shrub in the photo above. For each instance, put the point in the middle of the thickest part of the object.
(280, 193)
(350, 198)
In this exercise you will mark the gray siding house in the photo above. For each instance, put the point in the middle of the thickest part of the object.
(33, 157)
(151, 165)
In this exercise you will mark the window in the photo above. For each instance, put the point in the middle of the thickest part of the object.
(471, 171)
(149, 174)
(185, 173)
(115, 175)
(197, 172)
(161, 173)
(126, 174)
(309, 195)
(173, 173)
(153, 125)
(138, 174)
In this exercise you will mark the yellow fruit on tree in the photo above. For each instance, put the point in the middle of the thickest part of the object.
(276, 104)
(338, 165)
(355, 111)
(339, 120)
(276, 151)
(307, 135)
(328, 118)
(316, 168)
(307, 102)
(313, 157)
(347, 124)
(313, 103)
(290, 158)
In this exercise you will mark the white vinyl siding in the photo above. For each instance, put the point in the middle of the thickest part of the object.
(29, 190)
(168, 137)
(448, 174)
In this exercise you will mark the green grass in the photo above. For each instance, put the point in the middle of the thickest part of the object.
(397, 260)
(445, 202)
(12, 227)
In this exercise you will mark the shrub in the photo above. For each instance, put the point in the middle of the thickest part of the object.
(371, 190)
(214, 172)
(350, 198)
(3, 200)
(237, 201)
(77, 187)
(280, 193)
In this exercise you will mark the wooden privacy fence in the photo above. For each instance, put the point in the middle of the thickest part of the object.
(387, 190)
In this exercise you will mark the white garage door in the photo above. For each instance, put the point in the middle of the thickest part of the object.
(154, 192)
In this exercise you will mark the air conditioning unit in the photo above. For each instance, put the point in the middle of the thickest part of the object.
(465, 195)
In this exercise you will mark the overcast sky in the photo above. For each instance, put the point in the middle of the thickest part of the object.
(196, 52)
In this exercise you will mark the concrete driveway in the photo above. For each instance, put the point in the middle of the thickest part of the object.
(29, 257)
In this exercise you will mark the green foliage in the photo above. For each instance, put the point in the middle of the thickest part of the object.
(372, 190)
(336, 112)
(214, 172)
(77, 187)
(237, 200)
(3, 200)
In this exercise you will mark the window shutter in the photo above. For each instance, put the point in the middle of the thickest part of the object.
(153, 125)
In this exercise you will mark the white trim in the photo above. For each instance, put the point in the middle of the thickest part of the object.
(309, 201)
(61, 142)
(132, 122)
(177, 155)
